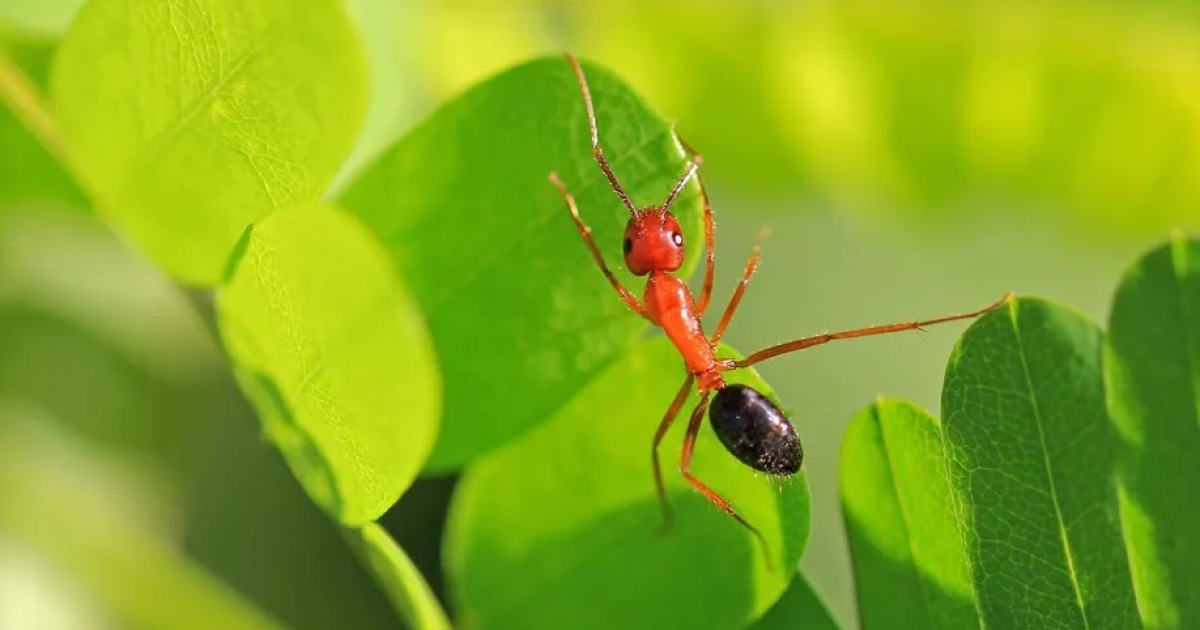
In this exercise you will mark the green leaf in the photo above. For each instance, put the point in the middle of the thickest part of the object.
(331, 350)
(1031, 455)
(519, 313)
(192, 119)
(558, 529)
(399, 578)
(800, 607)
(910, 568)
(1152, 369)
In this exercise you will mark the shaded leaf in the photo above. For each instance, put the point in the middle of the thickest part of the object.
(910, 568)
(1031, 454)
(464, 205)
(192, 119)
(329, 347)
(1152, 369)
(799, 607)
(399, 578)
(571, 509)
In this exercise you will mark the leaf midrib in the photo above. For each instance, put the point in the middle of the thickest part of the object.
(1037, 414)
(193, 110)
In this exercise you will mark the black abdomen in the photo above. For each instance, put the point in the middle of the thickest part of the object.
(755, 430)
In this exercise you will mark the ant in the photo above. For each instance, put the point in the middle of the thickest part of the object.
(750, 426)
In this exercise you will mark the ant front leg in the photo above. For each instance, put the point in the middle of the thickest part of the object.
(586, 233)
(685, 466)
(751, 267)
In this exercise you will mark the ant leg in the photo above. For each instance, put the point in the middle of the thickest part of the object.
(816, 340)
(597, 152)
(669, 418)
(586, 233)
(751, 267)
(685, 464)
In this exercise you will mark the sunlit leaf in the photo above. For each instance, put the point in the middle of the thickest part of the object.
(331, 350)
(1152, 369)
(520, 314)
(910, 568)
(1031, 454)
(192, 119)
(558, 529)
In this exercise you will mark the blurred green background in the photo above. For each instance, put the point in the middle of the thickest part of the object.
(911, 160)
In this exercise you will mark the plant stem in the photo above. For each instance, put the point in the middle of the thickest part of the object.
(30, 108)
(22, 97)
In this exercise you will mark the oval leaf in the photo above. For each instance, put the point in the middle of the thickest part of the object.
(329, 347)
(910, 568)
(571, 509)
(1031, 463)
(399, 578)
(465, 207)
(191, 119)
(1152, 369)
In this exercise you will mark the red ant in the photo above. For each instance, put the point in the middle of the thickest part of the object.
(748, 424)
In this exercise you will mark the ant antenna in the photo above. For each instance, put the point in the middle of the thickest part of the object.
(691, 172)
(596, 150)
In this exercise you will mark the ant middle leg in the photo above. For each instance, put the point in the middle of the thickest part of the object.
(586, 233)
(816, 340)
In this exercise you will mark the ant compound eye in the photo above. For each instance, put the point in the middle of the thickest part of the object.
(677, 238)
(628, 245)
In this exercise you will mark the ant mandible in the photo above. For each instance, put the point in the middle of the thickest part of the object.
(748, 424)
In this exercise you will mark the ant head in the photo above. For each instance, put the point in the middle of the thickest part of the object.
(653, 242)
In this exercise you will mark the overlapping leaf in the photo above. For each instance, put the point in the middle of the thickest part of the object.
(191, 119)
(329, 346)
